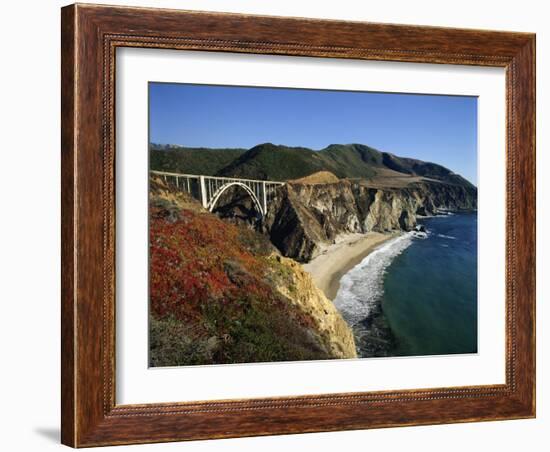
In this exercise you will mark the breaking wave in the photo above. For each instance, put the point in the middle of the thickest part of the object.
(362, 287)
(443, 236)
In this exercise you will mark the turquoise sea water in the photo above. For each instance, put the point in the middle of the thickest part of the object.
(416, 296)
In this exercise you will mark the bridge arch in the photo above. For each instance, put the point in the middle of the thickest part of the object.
(220, 191)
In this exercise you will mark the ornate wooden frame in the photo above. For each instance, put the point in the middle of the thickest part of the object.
(90, 35)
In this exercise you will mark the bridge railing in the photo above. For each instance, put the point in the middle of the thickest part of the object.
(197, 176)
(208, 189)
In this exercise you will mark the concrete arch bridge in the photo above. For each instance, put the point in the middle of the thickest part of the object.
(209, 189)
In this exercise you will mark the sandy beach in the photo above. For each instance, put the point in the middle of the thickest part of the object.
(337, 259)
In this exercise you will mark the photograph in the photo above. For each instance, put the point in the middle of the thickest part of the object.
(279, 224)
(304, 224)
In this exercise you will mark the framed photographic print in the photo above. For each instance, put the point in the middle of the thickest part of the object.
(281, 225)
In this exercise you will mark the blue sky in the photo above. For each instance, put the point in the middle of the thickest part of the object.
(439, 129)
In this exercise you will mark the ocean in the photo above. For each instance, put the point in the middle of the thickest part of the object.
(416, 294)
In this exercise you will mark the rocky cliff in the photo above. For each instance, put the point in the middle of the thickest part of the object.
(303, 218)
(299, 288)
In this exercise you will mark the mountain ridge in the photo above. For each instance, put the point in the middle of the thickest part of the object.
(268, 161)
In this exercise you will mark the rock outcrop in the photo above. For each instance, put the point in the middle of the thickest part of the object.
(303, 218)
(300, 289)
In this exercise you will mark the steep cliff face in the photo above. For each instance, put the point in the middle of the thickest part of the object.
(299, 288)
(303, 218)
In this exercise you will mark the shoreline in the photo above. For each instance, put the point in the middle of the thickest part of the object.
(337, 259)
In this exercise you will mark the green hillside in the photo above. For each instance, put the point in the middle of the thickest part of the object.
(353, 160)
(273, 162)
(178, 159)
(277, 162)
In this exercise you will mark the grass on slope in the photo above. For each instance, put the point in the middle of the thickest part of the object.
(192, 160)
(280, 163)
(271, 162)
(275, 162)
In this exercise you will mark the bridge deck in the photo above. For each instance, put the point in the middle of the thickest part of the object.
(209, 189)
(197, 176)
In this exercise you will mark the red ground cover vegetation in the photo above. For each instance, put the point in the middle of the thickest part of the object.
(213, 296)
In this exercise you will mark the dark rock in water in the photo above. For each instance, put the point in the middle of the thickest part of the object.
(420, 228)
(406, 220)
(373, 336)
